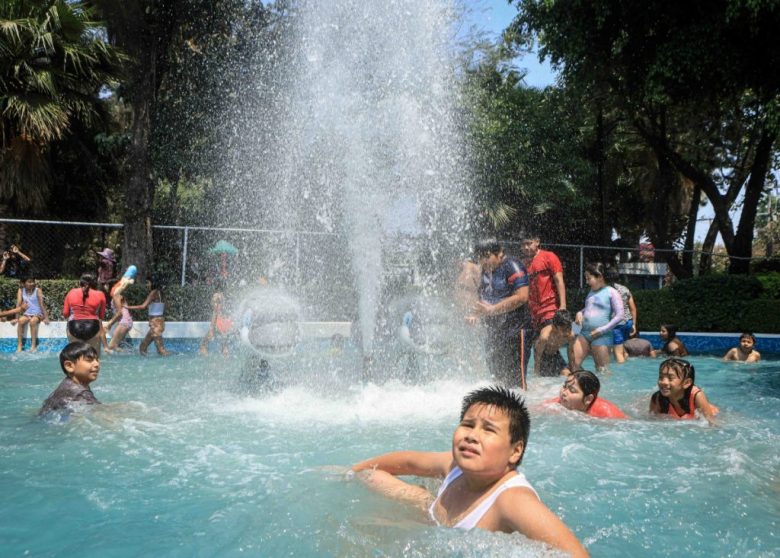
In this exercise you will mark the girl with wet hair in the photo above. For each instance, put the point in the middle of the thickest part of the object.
(677, 396)
(672, 345)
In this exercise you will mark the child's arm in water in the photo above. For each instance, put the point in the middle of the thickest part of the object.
(379, 473)
(705, 407)
(416, 463)
(522, 511)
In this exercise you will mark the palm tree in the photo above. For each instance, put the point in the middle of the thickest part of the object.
(54, 62)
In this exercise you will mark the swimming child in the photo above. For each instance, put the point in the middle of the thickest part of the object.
(219, 328)
(746, 351)
(672, 345)
(81, 364)
(35, 313)
(156, 318)
(580, 392)
(84, 308)
(482, 487)
(602, 313)
(547, 356)
(677, 396)
(627, 326)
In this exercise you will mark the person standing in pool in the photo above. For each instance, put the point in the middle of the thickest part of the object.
(156, 318)
(482, 487)
(546, 289)
(627, 327)
(84, 308)
(503, 293)
(602, 313)
(746, 351)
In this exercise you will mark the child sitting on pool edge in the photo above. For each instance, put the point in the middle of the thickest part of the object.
(80, 363)
(746, 351)
(677, 396)
(482, 487)
(580, 392)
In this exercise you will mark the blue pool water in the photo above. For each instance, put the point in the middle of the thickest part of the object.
(178, 462)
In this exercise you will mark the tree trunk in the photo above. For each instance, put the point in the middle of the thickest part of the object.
(743, 240)
(693, 215)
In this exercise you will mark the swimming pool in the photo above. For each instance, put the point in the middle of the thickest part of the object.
(180, 463)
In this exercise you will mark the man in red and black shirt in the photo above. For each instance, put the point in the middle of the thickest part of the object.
(503, 294)
(547, 292)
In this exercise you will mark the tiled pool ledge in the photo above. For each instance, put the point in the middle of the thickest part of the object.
(181, 336)
(184, 336)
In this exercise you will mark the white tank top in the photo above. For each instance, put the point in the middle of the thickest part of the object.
(471, 520)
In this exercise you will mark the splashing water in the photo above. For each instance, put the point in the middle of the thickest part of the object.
(370, 126)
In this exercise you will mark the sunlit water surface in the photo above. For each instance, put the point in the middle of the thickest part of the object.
(178, 462)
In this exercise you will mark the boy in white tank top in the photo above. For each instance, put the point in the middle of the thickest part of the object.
(482, 487)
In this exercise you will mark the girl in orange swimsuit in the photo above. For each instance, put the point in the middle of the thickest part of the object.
(677, 396)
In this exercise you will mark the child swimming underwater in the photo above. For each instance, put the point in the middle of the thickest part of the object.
(482, 487)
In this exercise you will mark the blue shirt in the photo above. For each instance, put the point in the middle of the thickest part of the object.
(506, 279)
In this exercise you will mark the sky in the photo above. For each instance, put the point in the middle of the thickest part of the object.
(492, 17)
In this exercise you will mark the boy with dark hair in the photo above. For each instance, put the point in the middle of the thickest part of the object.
(746, 351)
(547, 354)
(502, 307)
(81, 365)
(482, 487)
(580, 392)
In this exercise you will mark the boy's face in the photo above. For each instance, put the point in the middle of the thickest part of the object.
(530, 247)
(84, 370)
(746, 344)
(572, 397)
(481, 444)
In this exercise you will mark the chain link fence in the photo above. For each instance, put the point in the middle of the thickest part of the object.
(305, 260)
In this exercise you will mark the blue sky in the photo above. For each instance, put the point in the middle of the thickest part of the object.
(492, 17)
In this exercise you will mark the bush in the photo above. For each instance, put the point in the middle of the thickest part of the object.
(710, 304)
(771, 284)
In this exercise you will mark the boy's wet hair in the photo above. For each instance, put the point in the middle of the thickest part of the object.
(74, 351)
(562, 318)
(748, 335)
(505, 400)
(587, 381)
(486, 247)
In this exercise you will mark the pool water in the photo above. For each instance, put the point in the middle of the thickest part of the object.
(180, 462)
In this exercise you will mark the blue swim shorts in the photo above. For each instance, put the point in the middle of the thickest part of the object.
(622, 333)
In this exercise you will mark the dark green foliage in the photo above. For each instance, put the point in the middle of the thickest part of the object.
(771, 284)
(711, 303)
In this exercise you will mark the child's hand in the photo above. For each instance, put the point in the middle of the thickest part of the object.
(595, 334)
(578, 318)
(13, 322)
(46, 321)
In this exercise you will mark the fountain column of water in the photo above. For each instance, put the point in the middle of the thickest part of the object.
(370, 123)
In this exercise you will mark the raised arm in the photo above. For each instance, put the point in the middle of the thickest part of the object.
(417, 463)
(522, 511)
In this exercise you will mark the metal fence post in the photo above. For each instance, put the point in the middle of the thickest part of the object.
(184, 256)
(582, 265)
